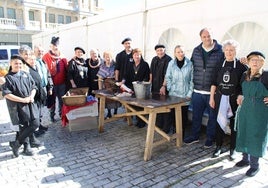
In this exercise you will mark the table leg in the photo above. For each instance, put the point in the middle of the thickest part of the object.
(101, 114)
(150, 136)
(178, 122)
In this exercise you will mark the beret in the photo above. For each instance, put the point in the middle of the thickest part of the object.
(159, 46)
(79, 48)
(125, 40)
(55, 41)
(256, 53)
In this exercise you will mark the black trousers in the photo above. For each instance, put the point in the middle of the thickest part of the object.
(219, 135)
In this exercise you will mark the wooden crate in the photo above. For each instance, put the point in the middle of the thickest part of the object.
(75, 97)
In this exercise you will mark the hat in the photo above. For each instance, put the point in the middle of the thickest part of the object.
(125, 40)
(255, 53)
(79, 48)
(55, 41)
(159, 46)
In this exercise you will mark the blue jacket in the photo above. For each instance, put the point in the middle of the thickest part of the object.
(204, 71)
(180, 81)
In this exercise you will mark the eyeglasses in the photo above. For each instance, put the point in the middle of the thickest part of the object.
(256, 60)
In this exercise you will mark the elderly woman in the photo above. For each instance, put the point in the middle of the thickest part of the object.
(252, 117)
(106, 80)
(78, 69)
(223, 95)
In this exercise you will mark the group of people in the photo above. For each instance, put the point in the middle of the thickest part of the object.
(234, 93)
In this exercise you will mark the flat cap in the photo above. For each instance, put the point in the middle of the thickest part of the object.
(256, 53)
(125, 40)
(79, 48)
(159, 46)
(16, 56)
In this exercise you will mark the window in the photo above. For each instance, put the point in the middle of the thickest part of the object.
(60, 19)
(1, 12)
(14, 51)
(3, 55)
(31, 15)
(68, 19)
(52, 18)
(96, 3)
(11, 13)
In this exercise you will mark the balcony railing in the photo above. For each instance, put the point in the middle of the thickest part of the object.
(8, 23)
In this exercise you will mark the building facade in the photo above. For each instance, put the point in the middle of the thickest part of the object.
(20, 19)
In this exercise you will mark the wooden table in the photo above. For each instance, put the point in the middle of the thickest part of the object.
(156, 104)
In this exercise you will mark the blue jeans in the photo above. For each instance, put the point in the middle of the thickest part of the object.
(200, 103)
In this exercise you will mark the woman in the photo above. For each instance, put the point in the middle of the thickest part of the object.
(94, 63)
(224, 91)
(19, 91)
(138, 70)
(179, 80)
(78, 70)
(106, 80)
(252, 116)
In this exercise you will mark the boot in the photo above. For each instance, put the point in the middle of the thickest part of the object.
(15, 147)
(27, 150)
(34, 142)
(217, 152)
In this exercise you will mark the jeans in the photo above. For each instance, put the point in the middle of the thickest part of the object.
(200, 103)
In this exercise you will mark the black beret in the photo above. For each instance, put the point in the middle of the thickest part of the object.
(55, 41)
(256, 53)
(16, 56)
(125, 40)
(79, 48)
(159, 46)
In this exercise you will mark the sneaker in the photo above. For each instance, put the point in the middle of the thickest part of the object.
(252, 172)
(217, 152)
(190, 140)
(242, 163)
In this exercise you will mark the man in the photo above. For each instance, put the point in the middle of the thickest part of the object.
(122, 59)
(46, 83)
(58, 67)
(206, 58)
(158, 69)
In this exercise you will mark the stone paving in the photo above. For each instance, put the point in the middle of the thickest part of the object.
(115, 159)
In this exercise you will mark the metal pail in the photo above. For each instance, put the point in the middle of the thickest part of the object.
(142, 89)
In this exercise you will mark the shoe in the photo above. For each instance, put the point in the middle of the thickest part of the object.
(208, 144)
(242, 163)
(39, 132)
(217, 152)
(232, 155)
(190, 140)
(252, 172)
(27, 150)
(52, 119)
(140, 124)
(34, 142)
(41, 127)
(108, 116)
(15, 147)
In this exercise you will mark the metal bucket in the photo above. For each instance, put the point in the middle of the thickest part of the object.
(142, 89)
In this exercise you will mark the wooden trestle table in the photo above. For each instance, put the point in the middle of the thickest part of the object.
(151, 107)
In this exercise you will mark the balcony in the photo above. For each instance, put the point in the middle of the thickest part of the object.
(7, 23)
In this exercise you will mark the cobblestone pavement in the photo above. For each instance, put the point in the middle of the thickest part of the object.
(115, 159)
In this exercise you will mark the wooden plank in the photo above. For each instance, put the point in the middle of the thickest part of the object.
(150, 136)
(178, 120)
